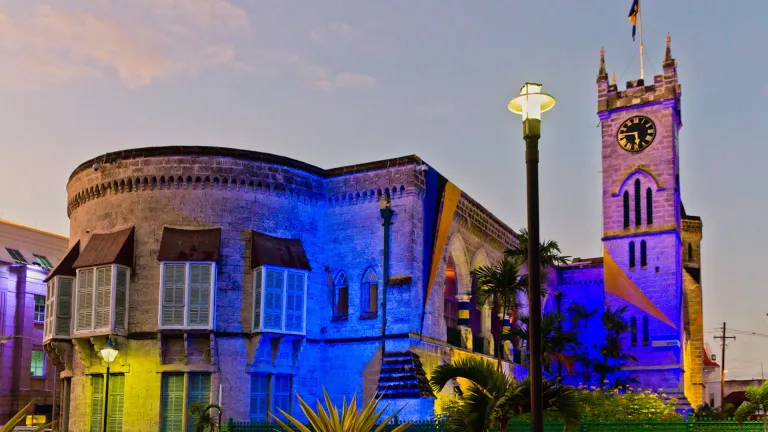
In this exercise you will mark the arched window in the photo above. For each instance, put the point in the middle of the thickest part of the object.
(633, 329)
(638, 200)
(450, 303)
(643, 254)
(340, 296)
(690, 252)
(649, 206)
(631, 254)
(369, 290)
(646, 334)
(626, 209)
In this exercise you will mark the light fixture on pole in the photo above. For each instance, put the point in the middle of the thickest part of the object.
(530, 104)
(108, 354)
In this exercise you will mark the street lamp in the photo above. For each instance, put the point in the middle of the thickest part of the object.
(108, 354)
(530, 104)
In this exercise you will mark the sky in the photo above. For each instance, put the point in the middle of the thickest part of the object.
(335, 83)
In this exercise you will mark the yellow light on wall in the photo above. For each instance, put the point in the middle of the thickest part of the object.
(109, 352)
(531, 102)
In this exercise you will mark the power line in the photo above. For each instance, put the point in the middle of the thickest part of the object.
(723, 345)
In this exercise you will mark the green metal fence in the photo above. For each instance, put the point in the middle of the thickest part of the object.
(556, 426)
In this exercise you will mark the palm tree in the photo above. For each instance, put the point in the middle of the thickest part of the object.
(612, 356)
(18, 417)
(203, 418)
(757, 402)
(329, 419)
(549, 253)
(555, 341)
(501, 286)
(493, 398)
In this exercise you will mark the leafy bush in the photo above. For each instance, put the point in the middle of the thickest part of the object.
(627, 403)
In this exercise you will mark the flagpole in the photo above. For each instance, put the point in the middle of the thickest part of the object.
(640, 31)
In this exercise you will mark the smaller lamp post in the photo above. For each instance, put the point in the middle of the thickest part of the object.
(530, 104)
(386, 212)
(108, 354)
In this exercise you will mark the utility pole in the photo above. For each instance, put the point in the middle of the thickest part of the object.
(723, 338)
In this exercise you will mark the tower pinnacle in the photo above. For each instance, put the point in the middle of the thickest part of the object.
(602, 75)
(668, 60)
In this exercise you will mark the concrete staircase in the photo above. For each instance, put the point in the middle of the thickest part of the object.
(402, 376)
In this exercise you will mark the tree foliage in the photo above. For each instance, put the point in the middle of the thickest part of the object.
(627, 403)
(756, 403)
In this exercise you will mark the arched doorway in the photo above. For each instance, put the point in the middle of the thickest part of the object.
(451, 304)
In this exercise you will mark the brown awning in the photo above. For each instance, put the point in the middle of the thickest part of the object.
(276, 251)
(111, 248)
(190, 244)
(65, 266)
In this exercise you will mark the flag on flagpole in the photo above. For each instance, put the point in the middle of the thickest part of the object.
(633, 11)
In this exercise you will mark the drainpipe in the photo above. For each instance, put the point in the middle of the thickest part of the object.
(386, 212)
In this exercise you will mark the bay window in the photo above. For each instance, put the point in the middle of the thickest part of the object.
(186, 295)
(279, 301)
(102, 299)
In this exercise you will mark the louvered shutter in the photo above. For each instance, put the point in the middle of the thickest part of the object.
(49, 309)
(200, 281)
(373, 297)
(84, 300)
(116, 402)
(259, 397)
(282, 395)
(121, 292)
(174, 280)
(294, 302)
(257, 294)
(103, 298)
(172, 400)
(199, 391)
(97, 402)
(64, 305)
(273, 300)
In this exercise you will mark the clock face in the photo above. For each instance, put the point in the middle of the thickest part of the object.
(636, 133)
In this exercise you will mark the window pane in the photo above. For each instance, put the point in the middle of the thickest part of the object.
(64, 287)
(16, 256)
(200, 280)
(273, 300)
(294, 302)
(174, 281)
(43, 262)
(259, 394)
(116, 401)
(39, 314)
(282, 395)
(103, 297)
(97, 402)
(199, 391)
(84, 299)
(342, 307)
(257, 298)
(172, 403)
(37, 364)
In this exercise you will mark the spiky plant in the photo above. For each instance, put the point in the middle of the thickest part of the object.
(329, 419)
(16, 419)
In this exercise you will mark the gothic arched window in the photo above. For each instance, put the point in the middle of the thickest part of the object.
(633, 329)
(646, 335)
(638, 201)
(643, 254)
(690, 252)
(626, 209)
(369, 293)
(631, 254)
(649, 206)
(340, 296)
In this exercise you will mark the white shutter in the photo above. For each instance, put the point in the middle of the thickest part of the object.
(273, 300)
(63, 305)
(257, 292)
(121, 297)
(103, 297)
(200, 281)
(294, 302)
(174, 281)
(50, 313)
(84, 300)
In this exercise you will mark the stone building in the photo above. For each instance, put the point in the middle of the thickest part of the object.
(26, 373)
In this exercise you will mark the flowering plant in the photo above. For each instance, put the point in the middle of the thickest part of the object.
(628, 403)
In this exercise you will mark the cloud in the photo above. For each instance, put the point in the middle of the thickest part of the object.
(338, 31)
(311, 74)
(49, 46)
(346, 80)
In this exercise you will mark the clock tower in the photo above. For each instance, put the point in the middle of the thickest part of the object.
(643, 227)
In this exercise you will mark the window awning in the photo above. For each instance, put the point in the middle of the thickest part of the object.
(190, 244)
(110, 248)
(65, 267)
(276, 251)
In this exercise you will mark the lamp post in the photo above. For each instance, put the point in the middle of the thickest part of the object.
(386, 212)
(108, 354)
(530, 104)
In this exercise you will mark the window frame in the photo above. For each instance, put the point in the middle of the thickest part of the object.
(53, 300)
(35, 312)
(633, 331)
(270, 395)
(112, 300)
(632, 260)
(638, 203)
(337, 287)
(187, 293)
(43, 262)
(285, 270)
(42, 364)
(365, 293)
(184, 397)
(649, 206)
(16, 256)
(643, 254)
(627, 212)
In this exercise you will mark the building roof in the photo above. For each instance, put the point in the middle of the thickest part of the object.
(190, 244)
(21, 244)
(708, 358)
(276, 251)
(65, 267)
(109, 248)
